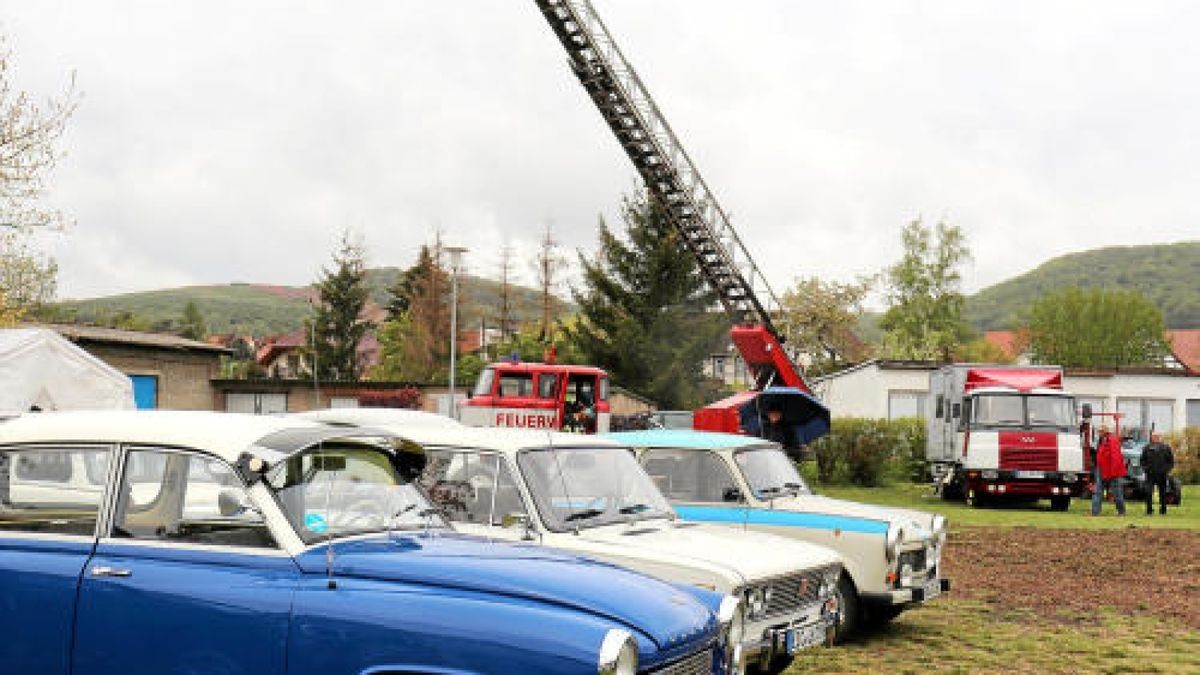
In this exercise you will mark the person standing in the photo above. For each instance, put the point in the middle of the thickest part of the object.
(1110, 469)
(1157, 461)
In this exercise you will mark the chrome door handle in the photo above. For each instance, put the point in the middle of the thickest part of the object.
(103, 571)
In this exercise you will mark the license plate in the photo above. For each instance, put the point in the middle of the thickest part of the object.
(1029, 474)
(803, 638)
(933, 589)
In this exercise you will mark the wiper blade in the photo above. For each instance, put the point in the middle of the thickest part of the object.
(584, 514)
(771, 490)
(633, 508)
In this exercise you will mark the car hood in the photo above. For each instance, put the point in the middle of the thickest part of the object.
(723, 557)
(667, 615)
(917, 525)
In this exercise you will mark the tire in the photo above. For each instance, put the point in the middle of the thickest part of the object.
(776, 666)
(1060, 503)
(850, 615)
(952, 490)
(879, 617)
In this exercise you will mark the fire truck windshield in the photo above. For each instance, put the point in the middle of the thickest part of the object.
(1024, 411)
(587, 487)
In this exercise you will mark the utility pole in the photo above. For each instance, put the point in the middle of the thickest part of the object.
(456, 253)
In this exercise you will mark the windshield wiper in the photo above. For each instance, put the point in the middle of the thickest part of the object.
(633, 508)
(794, 487)
(583, 515)
(773, 490)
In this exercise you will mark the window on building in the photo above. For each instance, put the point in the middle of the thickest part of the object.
(718, 367)
(1140, 415)
(256, 403)
(52, 490)
(1193, 412)
(906, 404)
(343, 401)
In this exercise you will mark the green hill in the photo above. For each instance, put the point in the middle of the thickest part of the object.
(264, 309)
(1168, 274)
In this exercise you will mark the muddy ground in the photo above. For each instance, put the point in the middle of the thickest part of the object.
(1065, 574)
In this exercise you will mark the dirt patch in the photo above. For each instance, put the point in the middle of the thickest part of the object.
(1066, 574)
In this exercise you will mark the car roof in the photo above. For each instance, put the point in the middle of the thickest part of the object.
(685, 438)
(226, 435)
(378, 417)
(494, 438)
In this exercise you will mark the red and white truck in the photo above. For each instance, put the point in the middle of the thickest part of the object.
(539, 396)
(1004, 432)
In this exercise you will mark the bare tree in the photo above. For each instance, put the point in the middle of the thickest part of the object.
(506, 293)
(550, 264)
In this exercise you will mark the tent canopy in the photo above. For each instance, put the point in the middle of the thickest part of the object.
(41, 369)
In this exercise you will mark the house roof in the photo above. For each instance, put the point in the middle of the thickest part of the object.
(1007, 341)
(1185, 345)
(99, 335)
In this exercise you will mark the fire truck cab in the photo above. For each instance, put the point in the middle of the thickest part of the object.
(1004, 432)
(540, 396)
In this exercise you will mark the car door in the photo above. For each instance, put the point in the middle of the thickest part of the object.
(186, 581)
(50, 501)
(698, 484)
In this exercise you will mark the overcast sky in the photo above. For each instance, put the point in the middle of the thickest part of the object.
(234, 141)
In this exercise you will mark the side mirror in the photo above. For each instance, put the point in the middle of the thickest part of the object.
(232, 503)
(732, 494)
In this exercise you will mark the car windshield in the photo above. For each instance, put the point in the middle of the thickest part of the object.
(585, 487)
(770, 473)
(340, 490)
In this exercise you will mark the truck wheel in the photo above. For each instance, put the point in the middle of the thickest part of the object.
(850, 614)
(1060, 503)
(952, 490)
(776, 666)
(975, 499)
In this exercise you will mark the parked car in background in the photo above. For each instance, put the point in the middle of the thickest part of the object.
(590, 496)
(892, 557)
(240, 544)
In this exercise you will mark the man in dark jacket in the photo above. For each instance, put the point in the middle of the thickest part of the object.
(1157, 462)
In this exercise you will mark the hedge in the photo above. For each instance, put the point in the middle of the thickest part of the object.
(872, 452)
(1186, 444)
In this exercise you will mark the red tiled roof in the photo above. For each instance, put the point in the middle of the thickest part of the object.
(1006, 341)
(1185, 345)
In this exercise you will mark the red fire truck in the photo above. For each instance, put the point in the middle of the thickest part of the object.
(1004, 432)
(539, 396)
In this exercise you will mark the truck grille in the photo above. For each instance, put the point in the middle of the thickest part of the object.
(699, 663)
(793, 592)
(1029, 459)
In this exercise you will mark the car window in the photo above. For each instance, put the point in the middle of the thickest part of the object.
(689, 475)
(547, 385)
(516, 384)
(472, 487)
(188, 498)
(49, 489)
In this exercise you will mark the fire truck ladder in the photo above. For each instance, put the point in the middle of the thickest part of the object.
(670, 174)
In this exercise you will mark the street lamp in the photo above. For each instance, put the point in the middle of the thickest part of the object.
(456, 253)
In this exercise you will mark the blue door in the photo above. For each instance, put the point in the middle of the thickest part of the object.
(145, 391)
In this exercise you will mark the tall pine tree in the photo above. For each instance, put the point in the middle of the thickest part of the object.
(644, 309)
(415, 340)
(337, 324)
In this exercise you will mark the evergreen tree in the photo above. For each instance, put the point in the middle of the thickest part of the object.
(338, 326)
(415, 340)
(644, 309)
(192, 325)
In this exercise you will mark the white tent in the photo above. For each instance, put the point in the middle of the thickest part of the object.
(39, 368)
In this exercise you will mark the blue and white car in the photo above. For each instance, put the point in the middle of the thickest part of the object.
(172, 542)
(891, 557)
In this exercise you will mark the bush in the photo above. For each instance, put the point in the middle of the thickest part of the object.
(871, 452)
(1186, 444)
(407, 397)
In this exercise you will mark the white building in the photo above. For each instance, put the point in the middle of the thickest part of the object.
(1168, 398)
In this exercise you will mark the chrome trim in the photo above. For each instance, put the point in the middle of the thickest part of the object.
(172, 545)
(106, 571)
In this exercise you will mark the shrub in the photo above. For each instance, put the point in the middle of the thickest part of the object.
(408, 397)
(869, 452)
(1186, 444)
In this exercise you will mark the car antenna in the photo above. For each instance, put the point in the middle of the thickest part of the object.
(330, 582)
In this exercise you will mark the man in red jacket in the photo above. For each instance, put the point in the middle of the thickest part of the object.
(1110, 470)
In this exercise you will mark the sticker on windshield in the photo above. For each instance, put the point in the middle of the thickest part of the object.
(315, 522)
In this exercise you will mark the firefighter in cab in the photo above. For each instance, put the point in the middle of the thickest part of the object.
(579, 413)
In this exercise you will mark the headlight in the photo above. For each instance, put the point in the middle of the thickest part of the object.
(732, 616)
(894, 536)
(940, 529)
(618, 653)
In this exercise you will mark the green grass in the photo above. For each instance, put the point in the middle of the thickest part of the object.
(1034, 514)
(960, 636)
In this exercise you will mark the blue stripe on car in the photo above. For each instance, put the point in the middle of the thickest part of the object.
(818, 521)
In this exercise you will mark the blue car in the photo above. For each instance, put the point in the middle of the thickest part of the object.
(209, 543)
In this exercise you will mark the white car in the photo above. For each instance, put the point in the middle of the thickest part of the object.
(892, 556)
(590, 496)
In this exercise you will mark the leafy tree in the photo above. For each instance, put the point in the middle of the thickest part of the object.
(643, 309)
(1096, 328)
(192, 325)
(925, 318)
(823, 318)
(337, 323)
(415, 340)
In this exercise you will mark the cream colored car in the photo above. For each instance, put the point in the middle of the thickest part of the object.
(590, 496)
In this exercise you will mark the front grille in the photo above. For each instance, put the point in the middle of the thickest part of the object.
(699, 663)
(1029, 459)
(916, 559)
(792, 592)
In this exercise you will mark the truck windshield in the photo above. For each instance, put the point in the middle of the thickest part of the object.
(587, 487)
(1013, 410)
(770, 473)
(335, 491)
(483, 386)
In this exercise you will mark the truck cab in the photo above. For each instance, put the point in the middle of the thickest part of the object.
(1004, 432)
(540, 396)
